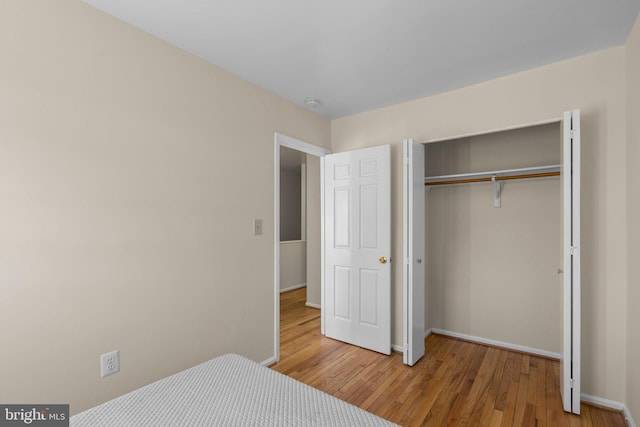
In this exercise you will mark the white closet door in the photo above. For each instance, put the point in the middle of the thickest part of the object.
(414, 252)
(570, 366)
(357, 248)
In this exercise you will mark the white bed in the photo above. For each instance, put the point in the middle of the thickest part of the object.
(229, 390)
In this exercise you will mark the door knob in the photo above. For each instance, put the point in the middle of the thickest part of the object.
(382, 260)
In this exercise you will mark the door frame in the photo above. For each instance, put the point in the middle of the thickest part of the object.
(282, 140)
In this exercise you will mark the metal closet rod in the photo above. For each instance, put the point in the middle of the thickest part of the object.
(502, 175)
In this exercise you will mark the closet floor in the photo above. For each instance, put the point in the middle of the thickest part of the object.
(455, 383)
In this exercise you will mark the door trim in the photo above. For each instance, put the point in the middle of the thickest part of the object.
(281, 140)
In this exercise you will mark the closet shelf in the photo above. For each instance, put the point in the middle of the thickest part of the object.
(500, 175)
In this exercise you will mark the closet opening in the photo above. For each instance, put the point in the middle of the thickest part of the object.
(503, 244)
(495, 245)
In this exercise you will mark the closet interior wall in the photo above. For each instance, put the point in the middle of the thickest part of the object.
(492, 273)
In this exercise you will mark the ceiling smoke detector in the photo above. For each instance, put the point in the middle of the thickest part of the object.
(312, 102)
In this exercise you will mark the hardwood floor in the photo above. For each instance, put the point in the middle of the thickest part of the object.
(455, 383)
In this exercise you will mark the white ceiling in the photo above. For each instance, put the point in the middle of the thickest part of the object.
(357, 55)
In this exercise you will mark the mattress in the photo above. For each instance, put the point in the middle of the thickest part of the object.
(229, 390)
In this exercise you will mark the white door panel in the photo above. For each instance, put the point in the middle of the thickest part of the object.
(357, 224)
(414, 242)
(570, 366)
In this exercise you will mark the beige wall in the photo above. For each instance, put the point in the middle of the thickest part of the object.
(130, 173)
(594, 83)
(290, 205)
(313, 232)
(293, 264)
(492, 272)
(633, 219)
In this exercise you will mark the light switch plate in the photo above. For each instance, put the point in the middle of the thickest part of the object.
(257, 227)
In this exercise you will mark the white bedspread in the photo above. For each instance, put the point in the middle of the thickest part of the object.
(229, 390)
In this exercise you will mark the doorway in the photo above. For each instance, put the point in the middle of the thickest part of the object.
(311, 228)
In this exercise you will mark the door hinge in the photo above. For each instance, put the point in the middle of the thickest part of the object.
(571, 133)
(571, 382)
(572, 250)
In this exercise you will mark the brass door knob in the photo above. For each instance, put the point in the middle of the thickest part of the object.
(382, 260)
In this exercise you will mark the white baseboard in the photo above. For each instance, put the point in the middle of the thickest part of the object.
(495, 343)
(398, 348)
(291, 288)
(270, 361)
(612, 404)
(628, 417)
(312, 305)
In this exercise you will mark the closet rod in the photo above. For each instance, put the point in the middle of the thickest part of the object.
(502, 175)
(497, 178)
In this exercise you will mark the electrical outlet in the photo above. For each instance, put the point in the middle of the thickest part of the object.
(257, 227)
(109, 363)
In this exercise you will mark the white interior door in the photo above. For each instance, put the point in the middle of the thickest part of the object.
(414, 252)
(357, 248)
(570, 366)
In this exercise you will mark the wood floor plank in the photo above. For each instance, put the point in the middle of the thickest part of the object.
(496, 418)
(455, 390)
(508, 418)
(486, 417)
(480, 389)
(540, 397)
(552, 391)
(455, 383)
(509, 376)
(512, 380)
(521, 399)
